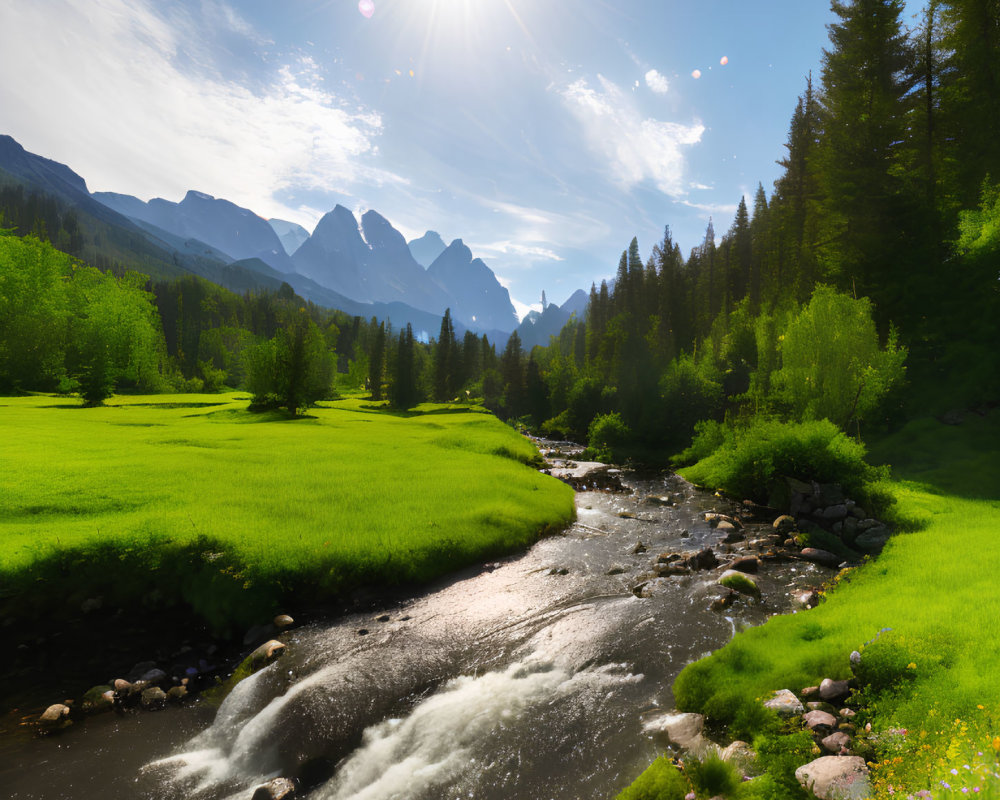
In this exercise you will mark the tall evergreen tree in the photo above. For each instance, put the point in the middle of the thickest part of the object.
(405, 392)
(376, 362)
(446, 361)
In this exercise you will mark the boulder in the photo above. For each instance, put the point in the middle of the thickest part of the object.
(837, 744)
(739, 582)
(748, 564)
(55, 717)
(265, 654)
(682, 731)
(832, 691)
(835, 513)
(872, 540)
(820, 722)
(703, 559)
(98, 699)
(823, 558)
(741, 756)
(836, 778)
(785, 703)
(277, 789)
(153, 697)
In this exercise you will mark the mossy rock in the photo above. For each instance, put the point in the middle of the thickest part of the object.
(739, 582)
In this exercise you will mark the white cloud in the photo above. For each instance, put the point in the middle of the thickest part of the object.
(657, 82)
(635, 149)
(523, 309)
(131, 104)
(525, 251)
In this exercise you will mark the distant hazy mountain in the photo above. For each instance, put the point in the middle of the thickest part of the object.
(479, 300)
(538, 326)
(291, 234)
(427, 248)
(224, 225)
(577, 304)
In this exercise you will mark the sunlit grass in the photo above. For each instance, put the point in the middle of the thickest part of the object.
(931, 600)
(307, 507)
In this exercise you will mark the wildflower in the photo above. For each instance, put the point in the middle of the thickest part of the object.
(954, 771)
(911, 665)
(689, 796)
(945, 784)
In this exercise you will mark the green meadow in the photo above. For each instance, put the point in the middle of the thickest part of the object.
(925, 617)
(166, 499)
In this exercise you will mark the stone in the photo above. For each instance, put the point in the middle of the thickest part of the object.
(638, 549)
(653, 500)
(848, 713)
(121, 685)
(831, 691)
(835, 513)
(739, 582)
(785, 703)
(820, 722)
(714, 519)
(670, 570)
(734, 536)
(873, 540)
(741, 755)
(283, 621)
(829, 494)
(724, 601)
(616, 570)
(703, 559)
(836, 778)
(682, 731)
(819, 705)
(725, 525)
(668, 558)
(153, 697)
(748, 564)
(639, 590)
(823, 558)
(140, 669)
(177, 693)
(808, 598)
(277, 789)
(154, 676)
(265, 654)
(55, 716)
(809, 691)
(98, 699)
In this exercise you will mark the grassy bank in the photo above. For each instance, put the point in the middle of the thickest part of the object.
(191, 498)
(925, 616)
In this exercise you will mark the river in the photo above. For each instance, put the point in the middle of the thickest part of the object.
(527, 678)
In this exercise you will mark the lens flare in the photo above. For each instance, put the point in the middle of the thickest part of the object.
(696, 74)
(724, 60)
(367, 8)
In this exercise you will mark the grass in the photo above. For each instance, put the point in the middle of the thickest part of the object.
(925, 617)
(193, 498)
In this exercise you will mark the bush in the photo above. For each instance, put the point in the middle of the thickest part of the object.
(606, 436)
(690, 391)
(661, 781)
(752, 462)
(713, 776)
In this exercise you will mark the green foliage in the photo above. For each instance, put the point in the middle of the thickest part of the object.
(690, 391)
(292, 371)
(230, 512)
(754, 461)
(979, 229)
(832, 366)
(607, 435)
(713, 777)
(779, 753)
(661, 781)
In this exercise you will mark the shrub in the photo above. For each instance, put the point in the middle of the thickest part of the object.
(661, 781)
(690, 391)
(753, 462)
(606, 436)
(713, 776)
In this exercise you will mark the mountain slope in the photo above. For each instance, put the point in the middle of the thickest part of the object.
(480, 301)
(427, 248)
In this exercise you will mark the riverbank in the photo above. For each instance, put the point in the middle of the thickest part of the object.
(185, 519)
(924, 618)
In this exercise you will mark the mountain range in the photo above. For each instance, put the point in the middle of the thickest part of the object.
(364, 268)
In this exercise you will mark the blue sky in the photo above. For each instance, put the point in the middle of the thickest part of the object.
(546, 134)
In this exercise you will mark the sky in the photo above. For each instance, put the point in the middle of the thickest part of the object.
(544, 133)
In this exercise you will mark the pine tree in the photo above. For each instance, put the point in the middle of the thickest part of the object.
(405, 393)
(376, 362)
(445, 361)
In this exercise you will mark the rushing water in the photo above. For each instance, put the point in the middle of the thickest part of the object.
(527, 679)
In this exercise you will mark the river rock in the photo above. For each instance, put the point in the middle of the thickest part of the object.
(55, 717)
(155, 675)
(153, 697)
(837, 744)
(683, 731)
(715, 519)
(739, 582)
(831, 691)
(638, 549)
(748, 564)
(835, 513)
(703, 559)
(98, 699)
(823, 558)
(668, 558)
(278, 789)
(741, 755)
(670, 570)
(616, 570)
(836, 778)
(785, 703)
(820, 722)
(872, 540)
(135, 674)
(653, 500)
(177, 693)
(283, 621)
